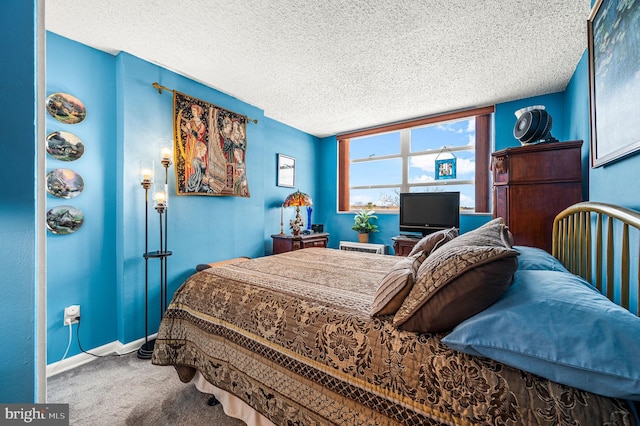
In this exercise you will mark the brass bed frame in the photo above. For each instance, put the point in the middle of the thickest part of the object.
(574, 230)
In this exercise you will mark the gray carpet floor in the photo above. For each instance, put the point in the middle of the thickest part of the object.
(124, 390)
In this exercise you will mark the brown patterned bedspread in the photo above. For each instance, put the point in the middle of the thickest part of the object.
(291, 335)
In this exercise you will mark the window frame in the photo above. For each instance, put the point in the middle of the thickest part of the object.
(482, 152)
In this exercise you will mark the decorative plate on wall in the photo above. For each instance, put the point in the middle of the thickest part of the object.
(64, 146)
(66, 108)
(64, 183)
(64, 220)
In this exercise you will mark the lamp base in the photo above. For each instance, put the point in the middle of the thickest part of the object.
(146, 350)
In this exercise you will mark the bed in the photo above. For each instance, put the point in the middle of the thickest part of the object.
(466, 330)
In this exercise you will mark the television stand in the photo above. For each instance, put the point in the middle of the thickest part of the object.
(403, 244)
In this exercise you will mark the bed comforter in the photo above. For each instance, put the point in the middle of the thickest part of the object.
(291, 335)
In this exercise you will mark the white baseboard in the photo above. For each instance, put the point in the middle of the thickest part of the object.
(82, 358)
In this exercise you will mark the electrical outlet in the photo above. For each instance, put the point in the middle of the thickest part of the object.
(71, 314)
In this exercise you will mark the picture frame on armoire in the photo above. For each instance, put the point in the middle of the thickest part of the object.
(614, 89)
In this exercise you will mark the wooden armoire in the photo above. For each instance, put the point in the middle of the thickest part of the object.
(532, 184)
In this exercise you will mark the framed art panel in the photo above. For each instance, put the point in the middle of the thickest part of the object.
(286, 171)
(446, 169)
(614, 64)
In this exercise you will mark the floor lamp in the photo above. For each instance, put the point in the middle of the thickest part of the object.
(160, 195)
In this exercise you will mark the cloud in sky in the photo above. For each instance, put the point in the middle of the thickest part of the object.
(465, 200)
(471, 126)
(359, 200)
(448, 128)
(465, 165)
(423, 179)
(424, 162)
(454, 128)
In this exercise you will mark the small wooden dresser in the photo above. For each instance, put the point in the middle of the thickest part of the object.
(532, 184)
(284, 243)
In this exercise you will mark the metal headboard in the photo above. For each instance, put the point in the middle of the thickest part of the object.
(573, 244)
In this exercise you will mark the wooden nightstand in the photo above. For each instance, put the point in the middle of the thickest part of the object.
(403, 245)
(285, 243)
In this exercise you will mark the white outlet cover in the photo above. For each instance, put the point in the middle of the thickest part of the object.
(72, 310)
(71, 315)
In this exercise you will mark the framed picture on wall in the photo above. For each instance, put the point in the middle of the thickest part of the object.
(614, 64)
(286, 171)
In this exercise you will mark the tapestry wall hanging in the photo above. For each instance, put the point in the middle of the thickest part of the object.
(210, 148)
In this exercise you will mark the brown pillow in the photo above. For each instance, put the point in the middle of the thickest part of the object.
(458, 280)
(433, 241)
(396, 285)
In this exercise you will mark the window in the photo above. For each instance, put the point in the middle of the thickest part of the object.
(444, 153)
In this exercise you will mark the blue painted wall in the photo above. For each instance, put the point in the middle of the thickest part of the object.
(18, 245)
(305, 149)
(578, 117)
(101, 266)
(81, 266)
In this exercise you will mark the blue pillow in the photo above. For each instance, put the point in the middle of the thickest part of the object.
(556, 325)
(532, 258)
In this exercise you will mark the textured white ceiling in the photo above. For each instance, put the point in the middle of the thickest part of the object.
(331, 66)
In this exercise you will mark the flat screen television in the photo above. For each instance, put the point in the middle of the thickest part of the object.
(428, 212)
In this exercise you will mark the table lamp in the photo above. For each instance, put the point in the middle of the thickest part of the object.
(297, 199)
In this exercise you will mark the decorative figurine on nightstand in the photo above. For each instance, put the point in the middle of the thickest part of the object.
(296, 225)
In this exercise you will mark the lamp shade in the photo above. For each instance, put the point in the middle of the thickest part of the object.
(146, 170)
(298, 199)
(160, 194)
